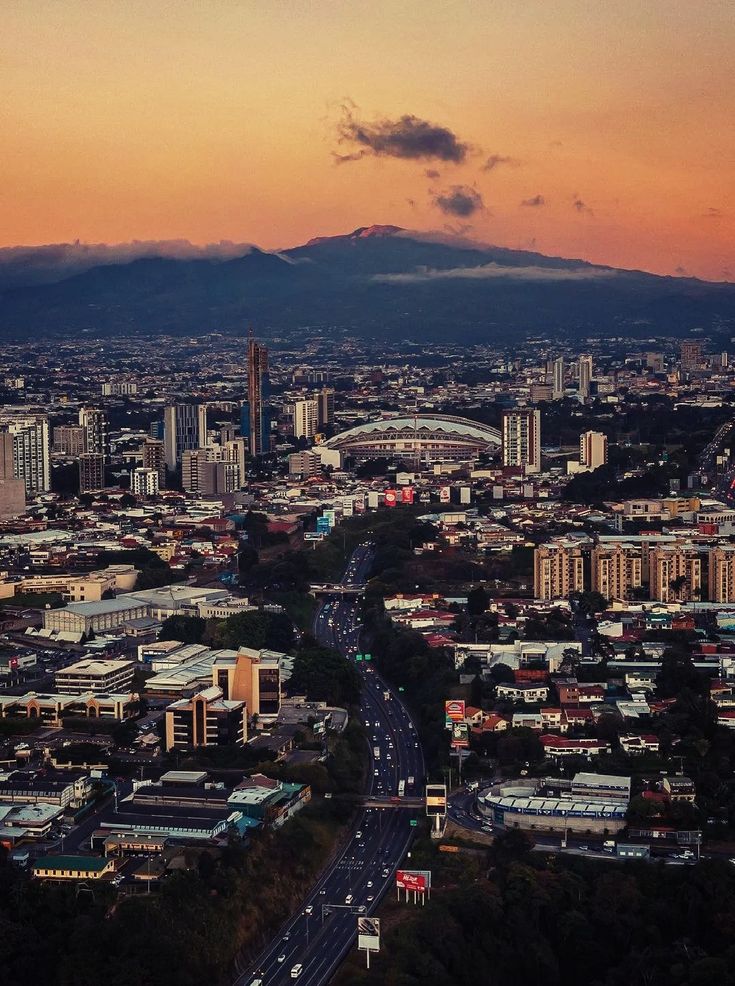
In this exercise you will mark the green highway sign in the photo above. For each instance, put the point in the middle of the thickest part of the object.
(368, 657)
(358, 657)
(414, 823)
(400, 688)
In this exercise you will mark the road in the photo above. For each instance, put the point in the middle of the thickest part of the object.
(318, 938)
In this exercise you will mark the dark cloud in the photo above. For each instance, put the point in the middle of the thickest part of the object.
(432, 174)
(534, 201)
(408, 137)
(496, 159)
(681, 271)
(713, 213)
(581, 206)
(459, 200)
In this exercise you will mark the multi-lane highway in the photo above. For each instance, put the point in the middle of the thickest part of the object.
(313, 943)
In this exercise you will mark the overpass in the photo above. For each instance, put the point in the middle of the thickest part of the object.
(331, 589)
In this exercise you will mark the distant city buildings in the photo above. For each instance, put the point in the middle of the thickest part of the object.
(522, 439)
(255, 419)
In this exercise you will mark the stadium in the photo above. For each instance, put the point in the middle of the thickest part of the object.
(419, 439)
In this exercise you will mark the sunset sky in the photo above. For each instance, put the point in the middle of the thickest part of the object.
(272, 121)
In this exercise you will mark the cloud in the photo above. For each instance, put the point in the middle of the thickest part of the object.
(432, 174)
(459, 200)
(407, 137)
(535, 201)
(681, 271)
(581, 206)
(495, 159)
(713, 213)
(495, 271)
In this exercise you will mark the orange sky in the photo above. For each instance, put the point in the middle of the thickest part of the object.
(216, 119)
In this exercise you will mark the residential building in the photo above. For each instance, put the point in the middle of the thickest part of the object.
(305, 418)
(31, 459)
(206, 719)
(144, 482)
(722, 574)
(325, 398)
(675, 572)
(70, 440)
(154, 457)
(691, 356)
(558, 570)
(181, 431)
(584, 376)
(210, 470)
(12, 490)
(96, 430)
(304, 464)
(557, 386)
(522, 439)
(592, 450)
(617, 569)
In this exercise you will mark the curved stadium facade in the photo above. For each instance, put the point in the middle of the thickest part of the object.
(420, 438)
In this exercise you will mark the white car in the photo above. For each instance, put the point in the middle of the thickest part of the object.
(309, 909)
(282, 958)
(370, 883)
(348, 899)
(296, 971)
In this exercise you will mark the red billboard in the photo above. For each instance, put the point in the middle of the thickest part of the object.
(445, 494)
(411, 880)
(454, 711)
(390, 498)
(407, 494)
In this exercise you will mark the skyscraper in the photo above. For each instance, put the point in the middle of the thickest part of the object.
(154, 457)
(31, 460)
(91, 472)
(522, 439)
(557, 390)
(94, 422)
(584, 367)
(181, 431)
(12, 490)
(305, 418)
(592, 450)
(326, 407)
(258, 393)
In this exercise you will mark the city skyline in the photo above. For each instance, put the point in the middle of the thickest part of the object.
(590, 131)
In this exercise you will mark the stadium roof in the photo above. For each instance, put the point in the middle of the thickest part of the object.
(460, 427)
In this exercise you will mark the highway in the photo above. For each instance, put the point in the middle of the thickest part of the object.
(312, 944)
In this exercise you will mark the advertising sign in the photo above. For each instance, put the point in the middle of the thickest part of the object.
(322, 525)
(445, 494)
(330, 516)
(436, 799)
(417, 880)
(390, 498)
(314, 535)
(407, 494)
(347, 506)
(368, 934)
(454, 710)
(460, 736)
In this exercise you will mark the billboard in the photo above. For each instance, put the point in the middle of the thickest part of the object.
(322, 525)
(454, 710)
(445, 494)
(368, 934)
(460, 736)
(416, 880)
(347, 506)
(314, 536)
(373, 499)
(390, 498)
(407, 494)
(330, 516)
(436, 799)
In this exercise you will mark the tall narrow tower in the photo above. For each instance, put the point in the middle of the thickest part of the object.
(258, 392)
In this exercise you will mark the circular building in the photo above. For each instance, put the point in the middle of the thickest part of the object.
(418, 439)
(523, 804)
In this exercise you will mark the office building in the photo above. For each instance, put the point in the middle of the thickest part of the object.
(181, 431)
(675, 572)
(326, 407)
(258, 432)
(154, 457)
(144, 482)
(119, 388)
(584, 374)
(31, 459)
(202, 430)
(558, 570)
(557, 385)
(691, 356)
(722, 574)
(211, 470)
(305, 418)
(94, 422)
(206, 719)
(304, 464)
(91, 472)
(617, 570)
(89, 675)
(70, 440)
(592, 450)
(522, 439)
(252, 676)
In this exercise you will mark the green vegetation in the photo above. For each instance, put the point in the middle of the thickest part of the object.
(323, 675)
(34, 600)
(154, 572)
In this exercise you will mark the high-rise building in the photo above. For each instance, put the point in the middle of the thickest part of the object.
(154, 457)
(305, 418)
(558, 570)
(722, 574)
(202, 433)
(253, 677)
(557, 385)
(181, 431)
(592, 450)
(691, 356)
(70, 440)
(206, 719)
(94, 422)
(211, 470)
(144, 482)
(31, 460)
(675, 572)
(617, 569)
(91, 472)
(326, 407)
(522, 439)
(258, 393)
(12, 490)
(584, 374)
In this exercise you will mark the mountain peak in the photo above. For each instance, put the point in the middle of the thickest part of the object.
(361, 233)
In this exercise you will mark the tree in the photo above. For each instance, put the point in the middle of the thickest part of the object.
(477, 601)
(187, 629)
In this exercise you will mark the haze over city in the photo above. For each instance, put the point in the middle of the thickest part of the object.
(600, 131)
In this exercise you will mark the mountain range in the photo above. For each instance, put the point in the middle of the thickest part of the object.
(378, 281)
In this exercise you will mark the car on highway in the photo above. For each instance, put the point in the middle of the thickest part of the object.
(309, 910)
(287, 936)
(349, 898)
(282, 957)
(369, 883)
(297, 970)
(358, 834)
